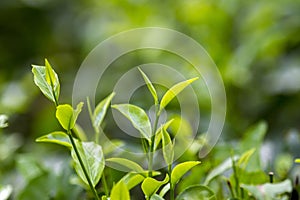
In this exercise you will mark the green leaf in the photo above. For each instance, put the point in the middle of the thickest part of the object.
(156, 197)
(93, 159)
(158, 134)
(164, 190)
(120, 192)
(3, 121)
(57, 137)
(5, 192)
(269, 191)
(150, 87)
(167, 147)
(173, 91)
(224, 166)
(138, 117)
(297, 160)
(197, 192)
(132, 179)
(100, 111)
(244, 159)
(67, 116)
(128, 164)
(180, 169)
(151, 185)
(47, 80)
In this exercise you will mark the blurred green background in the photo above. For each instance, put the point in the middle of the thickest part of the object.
(255, 44)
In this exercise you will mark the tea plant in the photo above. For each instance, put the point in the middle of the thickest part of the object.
(89, 156)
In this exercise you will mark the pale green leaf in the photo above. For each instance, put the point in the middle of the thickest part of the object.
(57, 137)
(151, 185)
(101, 110)
(150, 87)
(243, 161)
(174, 91)
(47, 81)
(138, 117)
(93, 159)
(127, 164)
(120, 192)
(167, 147)
(164, 190)
(158, 134)
(197, 192)
(220, 169)
(156, 197)
(67, 116)
(3, 121)
(180, 169)
(132, 179)
(269, 191)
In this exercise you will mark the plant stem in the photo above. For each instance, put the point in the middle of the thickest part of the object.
(82, 166)
(171, 185)
(151, 149)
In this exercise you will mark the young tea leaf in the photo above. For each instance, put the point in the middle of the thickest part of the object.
(167, 147)
(120, 192)
(128, 164)
(197, 192)
(132, 179)
(180, 169)
(174, 91)
(3, 121)
(100, 111)
(67, 116)
(47, 80)
(150, 87)
(151, 185)
(57, 137)
(158, 134)
(93, 159)
(138, 117)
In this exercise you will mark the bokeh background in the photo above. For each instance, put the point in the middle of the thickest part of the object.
(255, 44)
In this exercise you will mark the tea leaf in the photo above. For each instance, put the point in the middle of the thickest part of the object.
(167, 147)
(67, 116)
(47, 80)
(138, 117)
(150, 87)
(180, 169)
(120, 192)
(132, 179)
(57, 137)
(5, 191)
(173, 91)
(151, 185)
(128, 164)
(93, 159)
(197, 192)
(101, 110)
(158, 134)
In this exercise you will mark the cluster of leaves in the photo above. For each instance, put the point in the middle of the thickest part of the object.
(89, 156)
(244, 178)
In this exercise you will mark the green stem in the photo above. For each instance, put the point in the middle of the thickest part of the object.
(235, 175)
(151, 149)
(82, 166)
(172, 195)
